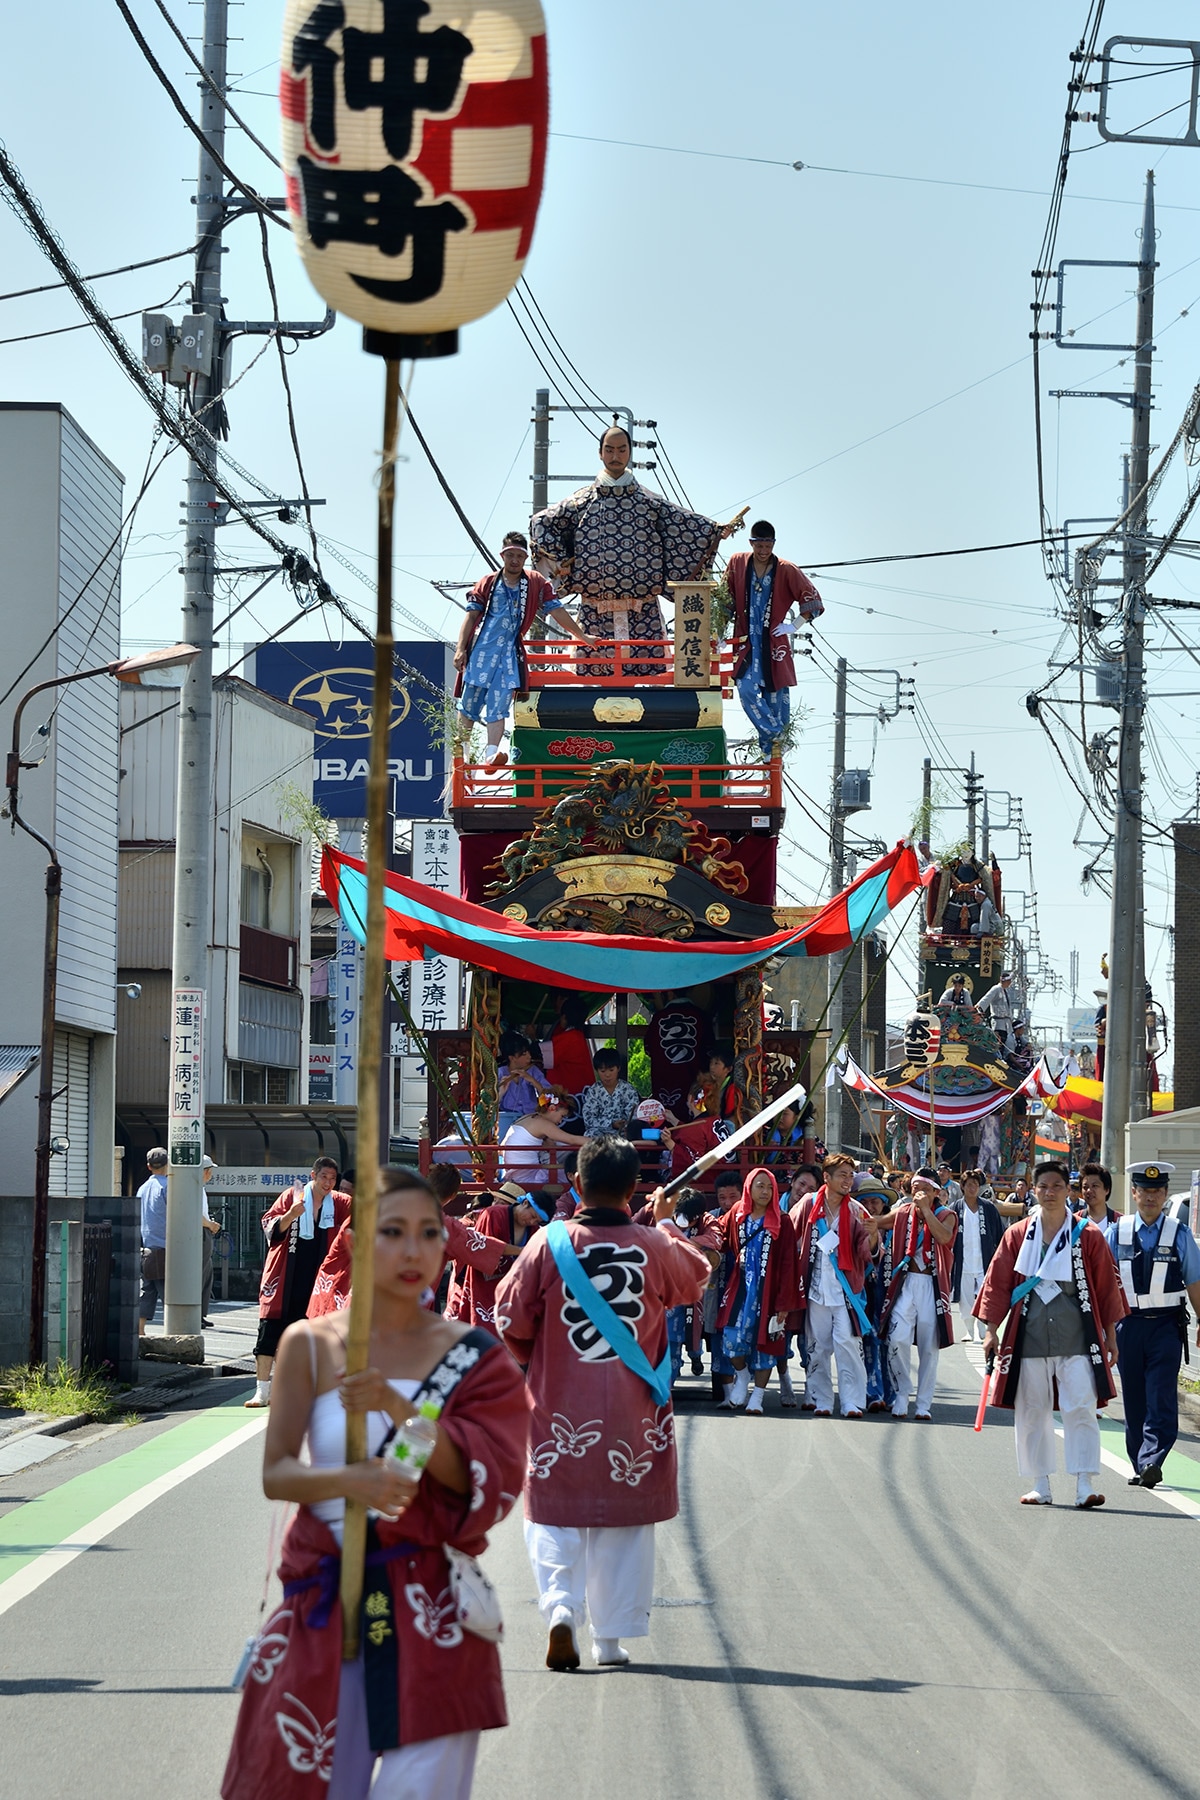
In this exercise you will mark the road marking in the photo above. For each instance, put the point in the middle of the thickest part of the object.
(43, 1536)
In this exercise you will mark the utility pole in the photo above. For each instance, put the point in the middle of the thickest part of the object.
(541, 449)
(985, 832)
(835, 1094)
(972, 797)
(193, 819)
(1125, 1035)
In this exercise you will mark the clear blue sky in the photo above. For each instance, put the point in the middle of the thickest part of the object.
(798, 335)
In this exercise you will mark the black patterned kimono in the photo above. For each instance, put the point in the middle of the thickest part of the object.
(624, 543)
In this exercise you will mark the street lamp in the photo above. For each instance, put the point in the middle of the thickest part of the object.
(155, 668)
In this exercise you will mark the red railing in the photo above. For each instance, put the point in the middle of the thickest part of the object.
(745, 786)
(267, 957)
(481, 1166)
(619, 662)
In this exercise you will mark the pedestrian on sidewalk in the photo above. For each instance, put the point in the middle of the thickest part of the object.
(584, 1311)
(1159, 1266)
(153, 1197)
(1052, 1286)
(299, 1228)
(409, 1710)
(210, 1230)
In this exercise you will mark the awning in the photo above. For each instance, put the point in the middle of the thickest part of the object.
(16, 1060)
(421, 921)
(1082, 1101)
(953, 1109)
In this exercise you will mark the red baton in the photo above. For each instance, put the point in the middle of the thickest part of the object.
(983, 1398)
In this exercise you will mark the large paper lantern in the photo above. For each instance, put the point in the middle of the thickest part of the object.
(414, 143)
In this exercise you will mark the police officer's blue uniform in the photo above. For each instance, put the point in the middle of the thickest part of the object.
(1156, 1263)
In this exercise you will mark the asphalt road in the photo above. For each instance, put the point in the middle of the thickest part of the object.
(854, 1606)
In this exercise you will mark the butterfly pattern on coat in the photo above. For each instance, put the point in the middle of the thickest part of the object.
(270, 1646)
(479, 1479)
(565, 1439)
(434, 1620)
(627, 1468)
(660, 1430)
(310, 1744)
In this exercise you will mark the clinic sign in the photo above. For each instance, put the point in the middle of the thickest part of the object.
(335, 683)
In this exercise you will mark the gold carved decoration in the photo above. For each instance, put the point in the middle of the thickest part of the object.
(717, 913)
(607, 875)
(792, 918)
(955, 1054)
(617, 709)
(999, 1076)
(516, 911)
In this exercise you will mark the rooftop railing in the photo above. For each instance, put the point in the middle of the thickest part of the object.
(620, 662)
(752, 787)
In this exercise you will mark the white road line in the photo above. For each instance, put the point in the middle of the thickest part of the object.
(31, 1577)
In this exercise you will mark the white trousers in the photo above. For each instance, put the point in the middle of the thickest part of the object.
(914, 1315)
(1037, 1441)
(830, 1336)
(968, 1293)
(605, 1571)
(442, 1766)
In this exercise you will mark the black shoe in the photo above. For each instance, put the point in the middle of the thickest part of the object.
(697, 1366)
(207, 1323)
(1151, 1475)
(1135, 1481)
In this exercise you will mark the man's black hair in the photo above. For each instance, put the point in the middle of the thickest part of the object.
(570, 1164)
(1052, 1168)
(514, 1043)
(762, 528)
(323, 1162)
(609, 1168)
(691, 1203)
(1099, 1170)
(807, 1169)
(724, 1051)
(727, 1178)
(608, 1059)
(616, 427)
(515, 537)
(445, 1180)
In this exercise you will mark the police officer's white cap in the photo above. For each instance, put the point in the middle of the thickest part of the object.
(1151, 1174)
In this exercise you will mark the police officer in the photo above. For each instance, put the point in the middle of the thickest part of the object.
(1157, 1260)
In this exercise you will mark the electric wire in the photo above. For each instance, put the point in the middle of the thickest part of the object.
(150, 262)
(214, 87)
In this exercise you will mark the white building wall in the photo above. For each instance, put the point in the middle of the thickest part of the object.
(60, 516)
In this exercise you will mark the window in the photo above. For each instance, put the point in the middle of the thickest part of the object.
(259, 1084)
(255, 897)
(322, 1028)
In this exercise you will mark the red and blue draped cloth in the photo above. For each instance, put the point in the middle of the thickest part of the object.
(954, 1109)
(422, 922)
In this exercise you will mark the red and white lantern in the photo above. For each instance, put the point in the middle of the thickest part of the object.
(414, 144)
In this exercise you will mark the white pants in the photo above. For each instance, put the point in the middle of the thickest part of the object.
(968, 1293)
(914, 1315)
(606, 1571)
(442, 1766)
(1037, 1442)
(830, 1335)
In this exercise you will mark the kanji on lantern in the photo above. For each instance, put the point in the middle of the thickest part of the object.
(414, 137)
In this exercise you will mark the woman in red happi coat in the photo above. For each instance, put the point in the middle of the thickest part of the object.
(423, 1687)
(760, 1291)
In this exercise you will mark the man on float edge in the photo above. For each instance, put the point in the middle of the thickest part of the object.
(1158, 1262)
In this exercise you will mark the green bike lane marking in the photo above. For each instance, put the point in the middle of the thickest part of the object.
(41, 1537)
(1181, 1472)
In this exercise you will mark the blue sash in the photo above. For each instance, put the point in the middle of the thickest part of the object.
(612, 1329)
(1027, 1287)
(854, 1299)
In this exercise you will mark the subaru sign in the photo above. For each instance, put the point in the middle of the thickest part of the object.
(335, 683)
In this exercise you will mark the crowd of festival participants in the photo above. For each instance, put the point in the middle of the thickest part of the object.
(549, 1318)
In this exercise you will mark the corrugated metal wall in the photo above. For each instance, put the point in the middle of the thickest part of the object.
(149, 765)
(70, 1113)
(142, 1039)
(269, 1025)
(85, 739)
(145, 913)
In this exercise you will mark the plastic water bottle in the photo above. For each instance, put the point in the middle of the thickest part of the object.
(413, 1444)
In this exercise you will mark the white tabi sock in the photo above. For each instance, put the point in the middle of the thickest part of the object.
(741, 1387)
(262, 1392)
(1083, 1488)
(608, 1650)
(1040, 1491)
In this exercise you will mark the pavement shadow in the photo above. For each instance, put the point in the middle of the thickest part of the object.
(782, 1678)
(69, 1684)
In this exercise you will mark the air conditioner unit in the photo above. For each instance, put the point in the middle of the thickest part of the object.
(855, 790)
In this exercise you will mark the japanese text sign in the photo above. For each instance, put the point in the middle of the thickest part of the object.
(414, 144)
(185, 1078)
(693, 633)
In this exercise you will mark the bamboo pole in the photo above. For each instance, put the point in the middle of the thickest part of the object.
(366, 1187)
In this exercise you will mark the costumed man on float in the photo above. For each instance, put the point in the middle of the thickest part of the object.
(764, 589)
(617, 544)
(1158, 1262)
(490, 652)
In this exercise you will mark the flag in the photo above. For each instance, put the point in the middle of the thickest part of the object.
(954, 1109)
